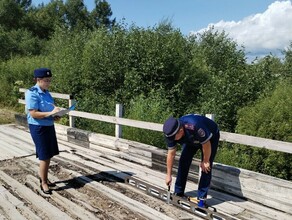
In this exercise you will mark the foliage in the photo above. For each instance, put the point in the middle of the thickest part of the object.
(17, 73)
(224, 90)
(287, 69)
(259, 160)
(101, 14)
(154, 108)
(154, 72)
(270, 118)
(18, 42)
(65, 52)
(11, 14)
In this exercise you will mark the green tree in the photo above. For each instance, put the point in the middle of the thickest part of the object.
(43, 20)
(18, 42)
(65, 52)
(263, 76)
(77, 16)
(156, 59)
(269, 118)
(24, 4)
(101, 14)
(154, 108)
(288, 61)
(11, 14)
(224, 90)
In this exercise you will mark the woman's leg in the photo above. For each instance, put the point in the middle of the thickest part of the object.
(44, 169)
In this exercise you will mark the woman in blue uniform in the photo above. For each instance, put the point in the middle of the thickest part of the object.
(193, 132)
(39, 105)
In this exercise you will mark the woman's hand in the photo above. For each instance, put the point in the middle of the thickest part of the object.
(57, 118)
(56, 109)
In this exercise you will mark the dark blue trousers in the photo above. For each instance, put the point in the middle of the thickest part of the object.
(185, 161)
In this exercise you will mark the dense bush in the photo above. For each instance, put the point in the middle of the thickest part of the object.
(154, 108)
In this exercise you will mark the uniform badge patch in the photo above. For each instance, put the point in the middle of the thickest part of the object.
(201, 132)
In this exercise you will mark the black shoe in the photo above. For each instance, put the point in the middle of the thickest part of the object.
(181, 194)
(50, 184)
(48, 192)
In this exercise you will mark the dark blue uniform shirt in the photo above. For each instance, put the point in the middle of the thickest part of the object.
(198, 130)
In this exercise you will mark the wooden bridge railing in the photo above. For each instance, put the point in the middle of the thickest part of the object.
(119, 121)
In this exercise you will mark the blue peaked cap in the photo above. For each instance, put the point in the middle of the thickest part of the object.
(42, 72)
(171, 127)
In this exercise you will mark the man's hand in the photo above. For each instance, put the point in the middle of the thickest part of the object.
(169, 164)
(168, 180)
(205, 166)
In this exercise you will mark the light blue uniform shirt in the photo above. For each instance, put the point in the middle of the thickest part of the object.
(41, 101)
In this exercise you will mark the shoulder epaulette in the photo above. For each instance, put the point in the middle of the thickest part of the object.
(33, 89)
(190, 126)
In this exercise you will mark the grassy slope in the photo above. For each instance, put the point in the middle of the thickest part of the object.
(6, 115)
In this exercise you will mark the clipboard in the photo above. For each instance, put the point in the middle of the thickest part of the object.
(63, 111)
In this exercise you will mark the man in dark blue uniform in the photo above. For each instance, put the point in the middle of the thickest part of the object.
(193, 132)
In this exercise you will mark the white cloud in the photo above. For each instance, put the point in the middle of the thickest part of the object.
(261, 33)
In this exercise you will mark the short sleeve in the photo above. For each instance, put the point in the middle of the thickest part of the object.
(31, 100)
(171, 143)
(203, 134)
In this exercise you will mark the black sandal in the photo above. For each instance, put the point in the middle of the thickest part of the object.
(48, 192)
(50, 184)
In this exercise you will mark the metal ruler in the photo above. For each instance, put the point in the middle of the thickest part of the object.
(205, 213)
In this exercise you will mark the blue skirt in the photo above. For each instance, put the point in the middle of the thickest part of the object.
(45, 140)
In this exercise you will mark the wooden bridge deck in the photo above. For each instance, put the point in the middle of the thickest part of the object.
(84, 190)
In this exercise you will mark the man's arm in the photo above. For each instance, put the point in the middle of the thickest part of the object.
(169, 164)
(205, 164)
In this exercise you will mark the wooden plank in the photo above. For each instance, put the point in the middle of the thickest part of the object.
(83, 199)
(120, 121)
(141, 172)
(54, 94)
(77, 211)
(9, 208)
(122, 199)
(112, 165)
(267, 190)
(15, 208)
(225, 179)
(256, 141)
(48, 209)
(225, 136)
(116, 168)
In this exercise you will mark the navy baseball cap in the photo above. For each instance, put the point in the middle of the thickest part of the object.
(171, 127)
(42, 72)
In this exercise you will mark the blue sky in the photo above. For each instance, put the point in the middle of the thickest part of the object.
(262, 26)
